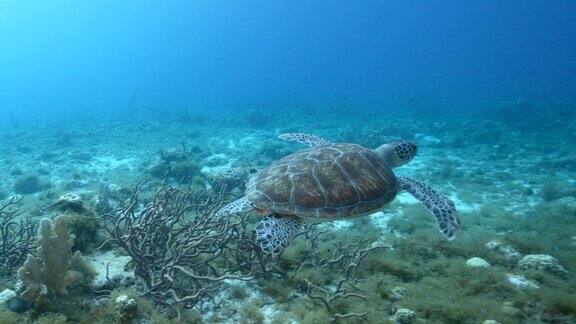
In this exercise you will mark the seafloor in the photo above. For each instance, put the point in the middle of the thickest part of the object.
(511, 172)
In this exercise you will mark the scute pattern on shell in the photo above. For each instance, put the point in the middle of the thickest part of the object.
(324, 182)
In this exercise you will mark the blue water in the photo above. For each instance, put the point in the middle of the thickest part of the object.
(72, 57)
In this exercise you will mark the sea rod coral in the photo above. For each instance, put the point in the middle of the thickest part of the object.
(16, 236)
(182, 252)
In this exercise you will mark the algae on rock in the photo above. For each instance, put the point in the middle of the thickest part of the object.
(48, 273)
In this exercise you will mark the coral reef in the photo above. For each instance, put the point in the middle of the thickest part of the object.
(174, 262)
(404, 316)
(542, 262)
(476, 262)
(49, 273)
(174, 255)
(127, 308)
(30, 184)
(16, 236)
(85, 228)
(176, 165)
(69, 202)
(521, 282)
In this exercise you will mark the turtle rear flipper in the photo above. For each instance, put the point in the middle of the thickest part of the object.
(442, 208)
(236, 207)
(274, 233)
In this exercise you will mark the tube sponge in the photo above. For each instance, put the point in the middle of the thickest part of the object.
(49, 272)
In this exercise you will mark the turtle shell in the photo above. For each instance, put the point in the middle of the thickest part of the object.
(324, 183)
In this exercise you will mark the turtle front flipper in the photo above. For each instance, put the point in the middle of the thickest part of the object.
(308, 139)
(442, 208)
(236, 207)
(274, 233)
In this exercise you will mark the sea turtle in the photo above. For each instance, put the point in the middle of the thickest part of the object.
(330, 181)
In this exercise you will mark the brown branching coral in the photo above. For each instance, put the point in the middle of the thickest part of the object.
(16, 236)
(344, 260)
(328, 297)
(182, 252)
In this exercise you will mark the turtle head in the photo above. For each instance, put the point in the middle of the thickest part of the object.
(397, 153)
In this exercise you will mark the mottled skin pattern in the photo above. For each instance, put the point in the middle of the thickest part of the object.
(405, 151)
(324, 183)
